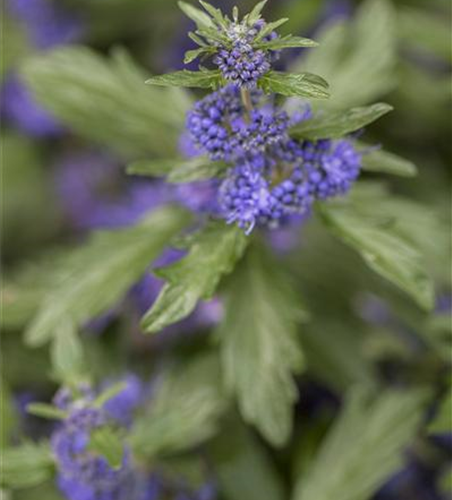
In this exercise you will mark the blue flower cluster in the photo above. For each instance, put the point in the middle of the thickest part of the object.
(273, 177)
(240, 63)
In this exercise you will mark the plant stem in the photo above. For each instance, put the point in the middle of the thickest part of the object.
(246, 99)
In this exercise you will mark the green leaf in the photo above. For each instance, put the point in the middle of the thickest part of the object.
(255, 14)
(68, 361)
(269, 28)
(26, 465)
(242, 466)
(357, 57)
(109, 393)
(201, 19)
(8, 413)
(98, 274)
(290, 84)
(184, 411)
(337, 124)
(286, 42)
(105, 100)
(363, 448)
(442, 422)
(107, 442)
(215, 13)
(382, 247)
(44, 410)
(184, 78)
(382, 161)
(258, 341)
(179, 170)
(213, 252)
(191, 55)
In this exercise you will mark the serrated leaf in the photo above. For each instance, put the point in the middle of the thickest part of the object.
(179, 170)
(98, 274)
(213, 253)
(255, 14)
(44, 410)
(385, 250)
(197, 15)
(90, 91)
(378, 160)
(191, 55)
(369, 438)
(68, 361)
(286, 42)
(291, 84)
(259, 348)
(215, 13)
(242, 467)
(334, 125)
(107, 442)
(26, 465)
(268, 28)
(184, 78)
(184, 411)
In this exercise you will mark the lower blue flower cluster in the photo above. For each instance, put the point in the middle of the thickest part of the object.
(273, 178)
(83, 473)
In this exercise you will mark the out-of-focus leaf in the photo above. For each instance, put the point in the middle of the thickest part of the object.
(369, 438)
(195, 79)
(356, 57)
(185, 410)
(68, 361)
(106, 100)
(337, 124)
(179, 170)
(8, 415)
(98, 274)
(383, 248)
(426, 30)
(378, 160)
(442, 422)
(242, 467)
(44, 410)
(201, 19)
(213, 252)
(26, 465)
(259, 347)
(107, 442)
(294, 84)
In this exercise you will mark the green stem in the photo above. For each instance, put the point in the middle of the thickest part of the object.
(246, 99)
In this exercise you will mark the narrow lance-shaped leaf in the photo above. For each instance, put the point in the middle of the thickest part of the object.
(98, 274)
(184, 411)
(214, 252)
(255, 14)
(44, 410)
(369, 437)
(215, 13)
(196, 79)
(197, 15)
(260, 351)
(333, 125)
(291, 84)
(286, 42)
(107, 442)
(384, 249)
(378, 160)
(191, 55)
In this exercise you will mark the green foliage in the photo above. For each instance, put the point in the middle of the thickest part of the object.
(185, 409)
(442, 422)
(44, 410)
(286, 42)
(378, 160)
(105, 100)
(26, 465)
(334, 125)
(242, 466)
(204, 79)
(294, 84)
(356, 57)
(98, 274)
(260, 351)
(201, 19)
(382, 246)
(107, 442)
(363, 447)
(8, 414)
(179, 170)
(213, 252)
(66, 354)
